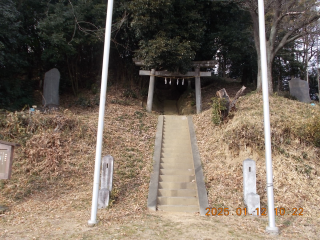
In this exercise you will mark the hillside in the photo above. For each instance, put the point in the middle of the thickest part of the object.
(49, 194)
(294, 133)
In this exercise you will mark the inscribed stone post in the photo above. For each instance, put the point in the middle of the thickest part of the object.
(106, 181)
(300, 90)
(250, 196)
(51, 88)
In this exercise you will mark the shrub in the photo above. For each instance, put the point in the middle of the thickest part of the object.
(129, 93)
(311, 131)
(218, 105)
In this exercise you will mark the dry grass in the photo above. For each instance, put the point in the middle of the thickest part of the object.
(296, 164)
(49, 194)
(58, 152)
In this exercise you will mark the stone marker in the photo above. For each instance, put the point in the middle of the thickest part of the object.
(6, 158)
(250, 196)
(51, 88)
(106, 181)
(300, 90)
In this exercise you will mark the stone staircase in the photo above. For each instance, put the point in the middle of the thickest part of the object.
(174, 175)
(177, 185)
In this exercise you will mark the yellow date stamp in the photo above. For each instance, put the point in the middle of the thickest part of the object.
(260, 212)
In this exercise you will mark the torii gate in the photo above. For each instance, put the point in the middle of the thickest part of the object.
(271, 228)
(196, 74)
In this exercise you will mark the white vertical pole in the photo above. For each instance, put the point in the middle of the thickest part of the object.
(267, 136)
(318, 75)
(103, 93)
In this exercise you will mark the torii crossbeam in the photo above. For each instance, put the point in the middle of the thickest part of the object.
(196, 74)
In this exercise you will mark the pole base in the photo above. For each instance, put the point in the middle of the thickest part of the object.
(92, 223)
(272, 230)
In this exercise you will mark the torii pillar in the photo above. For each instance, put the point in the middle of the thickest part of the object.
(196, 74)
(198, 89)
(150, 92)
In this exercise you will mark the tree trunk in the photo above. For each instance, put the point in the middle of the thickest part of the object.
(269, 72)
(259, 77)
(269, 75)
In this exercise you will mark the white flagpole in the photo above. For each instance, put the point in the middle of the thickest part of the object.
(103, 94)
(267, 136)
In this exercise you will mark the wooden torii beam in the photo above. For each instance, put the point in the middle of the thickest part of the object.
(196, 74)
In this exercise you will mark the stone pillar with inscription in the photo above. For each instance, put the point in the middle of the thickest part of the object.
(250, 196)
(300, 90)
(51, 88)
(6, 159)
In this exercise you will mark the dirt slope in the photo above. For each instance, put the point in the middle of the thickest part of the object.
(49, 194)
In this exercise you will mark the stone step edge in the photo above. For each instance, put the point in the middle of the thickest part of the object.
(202, 191)
(154, 178)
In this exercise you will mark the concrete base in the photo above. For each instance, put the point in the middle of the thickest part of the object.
(272, 230)
(92, 224)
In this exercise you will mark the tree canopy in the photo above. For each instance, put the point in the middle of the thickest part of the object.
(36, 35)
(286, 21)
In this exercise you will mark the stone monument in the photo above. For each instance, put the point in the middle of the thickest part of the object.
(6, 159)
(300, 90)
(106, 181)
(250, 196)
(51, 88)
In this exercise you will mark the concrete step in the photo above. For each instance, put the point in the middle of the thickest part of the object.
(172, 125)
(177, 185)
(177, 121)
(180, 161)
(176, 147)
(182, 129)
(176, 178)
(175, 125)
(171, 171)
(177, 201)
(177, 193)
(170, 133)
(169, 139)
(174, 119)
(185, 158)
(179, 208)
(173, 136)
(170, 142)
(176, 165)
(175, 155)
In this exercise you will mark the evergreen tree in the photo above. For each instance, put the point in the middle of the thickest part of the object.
(170, 32)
